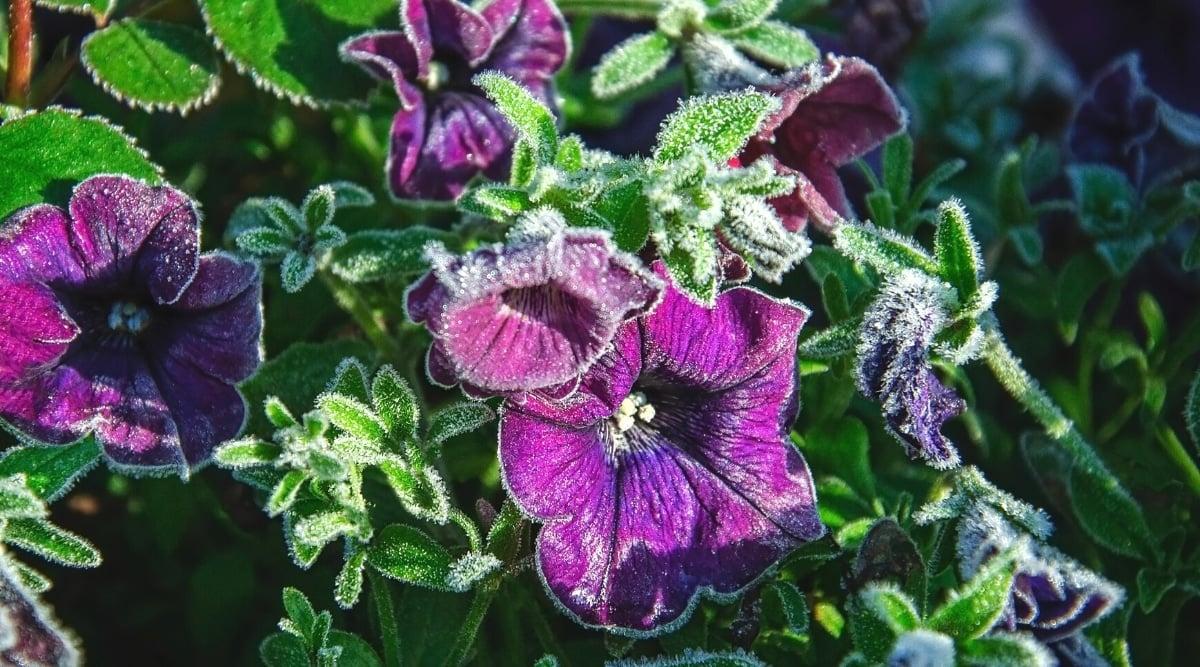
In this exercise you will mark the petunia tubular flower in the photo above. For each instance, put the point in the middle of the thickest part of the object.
(529, 315)
(834, 112)
(446, 131)
(1052, 598)
(897, 334)
(669, 472)
(122, 328)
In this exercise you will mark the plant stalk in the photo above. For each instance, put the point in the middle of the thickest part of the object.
(20, 52)
(484, 596)
(351, 300)
(1180, 457)
(630, 9)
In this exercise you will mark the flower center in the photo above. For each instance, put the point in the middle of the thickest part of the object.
(634, 411)
(439, 74)
(128, 317)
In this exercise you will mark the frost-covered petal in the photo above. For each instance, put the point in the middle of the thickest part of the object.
(36, 245)
(438, 148)
(34, 329)
(532, 43)
(205, 410)
(29, 634)
(457, 28)
(390, 56)
(532, 314)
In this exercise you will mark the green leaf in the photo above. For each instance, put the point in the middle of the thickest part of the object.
(958, 258)
(296, 377)
(1028, 244)
(265, 242)
(897, 167)
(300, 611)
(278, 414)
(350, 379)
(304, 555)
(43, 538)
(246, 453)
(99, 8)
(784, 606)
(1191, 256)
(323, 527)
(973, 609)
(1080, 278)
(355, 651)
(831, 343)
(731, 15)
(1005, 650)
(631, 63)
(682, 266)
(1152, 585)
(47, 153)
(1108, 515)
(570, 154)
(841, 447)
(350, 195)
(318, 207)
(283, 496)
(348, 586)
(533, 122)
(152, 65)
(881, 249)
(31, 578)
(944, 172)
(878, 616)
(283, 650)
(694, 658)
(406, 554)
(778, 44)
(1153, 320)
(395, 403)
(457, 419)
(380, 254)
(288, 48)
(495, 202)
(18, 501)
(720, 123)
(296, 270)
(353, 417)
(1106, 200)
(627, 208)
(51, 471)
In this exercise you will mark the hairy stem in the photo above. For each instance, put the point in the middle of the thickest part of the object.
(1180, 457)
(633, 9)
(468, 526)
(385, 615)
(20, 52)
(352, 301)
(484, 595)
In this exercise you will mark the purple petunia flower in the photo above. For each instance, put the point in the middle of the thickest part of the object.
(29, 633)
(446, 131)
(833, 113)
(114, 323)
(669, 472)
(1053, 597)
(530, 315)
(897, 333)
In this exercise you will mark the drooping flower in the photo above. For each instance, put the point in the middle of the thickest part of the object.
(114, 323)
(1053, 597)
(669, 471)
(897, 334)
(833, 113)
(446, 130)
(533, 314)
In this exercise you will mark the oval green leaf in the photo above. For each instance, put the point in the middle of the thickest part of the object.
(152, 65)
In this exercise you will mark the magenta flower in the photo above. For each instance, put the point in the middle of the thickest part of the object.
(446, 130)
(531, 315)
(833, 113)
(114, 323)
(669, 472)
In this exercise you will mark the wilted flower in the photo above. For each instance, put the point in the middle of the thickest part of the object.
(29, 635)
(446, 130)
(833, 113)
(1122, 123)
(114, 323)
(897, 333)
(669, 472)
(1053, 597)
(532, 314)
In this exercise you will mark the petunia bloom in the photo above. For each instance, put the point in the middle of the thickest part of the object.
(114, 323)
(29, 633)
(1053, 597)
(833, 113)
(529, 315)
(446, 131)
(669, 472)
(897, 334)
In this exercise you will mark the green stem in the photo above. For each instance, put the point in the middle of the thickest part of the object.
(484, 596)
(1179, 456)
(474, 539)
(630, 9)
(352, 301)
(385, 614)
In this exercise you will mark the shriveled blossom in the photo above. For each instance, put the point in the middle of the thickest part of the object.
(897, 333)
(114, 323)
(446, 131)
(834, 112)
(669, 471)
(532, 314)
(1053, 597)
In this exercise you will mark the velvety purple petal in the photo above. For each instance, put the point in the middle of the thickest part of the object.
(456, 27)
(36, 244)
(533, 42)
(126, 229)
(404, 153)
(720, 347)
(414, 18)
(32, 635)
(34, 330)
(207, 410)
(389, 56)
(463, 134)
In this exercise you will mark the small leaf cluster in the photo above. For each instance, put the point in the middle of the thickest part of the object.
(729, 24)
(24, 524)
(300, 239)
(307, 639)
(314, 469)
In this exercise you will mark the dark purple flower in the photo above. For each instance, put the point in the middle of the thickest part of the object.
(897, 333)
(119, 326)
(833, 113)
(1053, 597)
(669, 471)
(884, 31)
(1122, 123)
(446, 131)
(29, 634)
(530, 315)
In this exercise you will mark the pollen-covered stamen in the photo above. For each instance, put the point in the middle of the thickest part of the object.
(439, 74)
(128, 317)
(635, 410)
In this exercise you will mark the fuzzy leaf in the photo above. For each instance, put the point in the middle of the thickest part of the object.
(777, 44)
(351, 195)
(694, 658)
(878, 617)
(48, 152)
(972, 610)
(720, 123)
(458, 418)
(265, 242)
(353, 651)
(348, 586)
(628, 210)
(1108, 515)
(323, 527)
(406, 554)
(1003, 650)
(51, 542)
(836, 341)
(883, 250)
(570, 154)
(897, 167)
(51, 471)
(379, 254)
(739, 14)
(296, 377)
(288, 48)
(153, 65)
(296, 270)
(631, 63)
(17, 501)
(395, 403)
(246, 453)
(283, 496)
(300, 611)
(318, 207)
(350, 379)
(495, 202)
(283, 650)
(784, 606)
(533, 122)
(958, 258)
(353, 417)
(684, 267)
